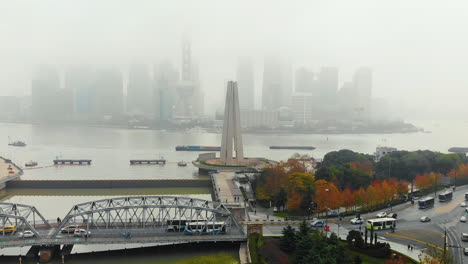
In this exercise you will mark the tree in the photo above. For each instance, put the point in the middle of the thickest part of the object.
(327, 195)
(304, 229)
(355, 239)
(280, 199)
(303, 247)
(289, 239)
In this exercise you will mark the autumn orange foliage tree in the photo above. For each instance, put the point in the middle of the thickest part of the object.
(428, 180)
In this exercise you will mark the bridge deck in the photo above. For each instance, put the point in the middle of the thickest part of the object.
(118, 239)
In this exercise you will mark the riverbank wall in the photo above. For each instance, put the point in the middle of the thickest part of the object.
(107, 184)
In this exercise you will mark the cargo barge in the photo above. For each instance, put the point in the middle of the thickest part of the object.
(197, 148)
(293, 147)
(458, 150)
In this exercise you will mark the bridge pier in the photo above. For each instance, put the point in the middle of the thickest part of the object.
(46, 253)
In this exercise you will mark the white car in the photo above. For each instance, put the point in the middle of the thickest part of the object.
(81, 232)
(381, 215)
(463, 219)
(356, 221)
(463, 204)
(27, 234)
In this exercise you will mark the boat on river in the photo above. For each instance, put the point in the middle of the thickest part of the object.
(31, 164)
(182, 164)
(17, 144)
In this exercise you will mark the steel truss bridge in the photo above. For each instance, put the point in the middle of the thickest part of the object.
(136, 219)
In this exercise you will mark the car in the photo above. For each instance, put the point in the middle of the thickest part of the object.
(69, 229)
(464, 237)
(463, 219)
(81, 232)
(27, 234)
(463, 204)
(318, 223)
(8, 229)
(392, 215)
(465, 251)
(425, 219)
(356, 221)
(381, 215)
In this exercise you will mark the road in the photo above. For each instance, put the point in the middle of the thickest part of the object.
(410, 230)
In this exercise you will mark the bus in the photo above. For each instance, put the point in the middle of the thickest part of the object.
(381, 223)
(426, 202)
(209, 228)
(466, 196)
(445, 196)
(178, 225)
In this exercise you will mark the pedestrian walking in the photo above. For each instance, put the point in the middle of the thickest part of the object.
(255, 212)
(408, 246)
(268, 217)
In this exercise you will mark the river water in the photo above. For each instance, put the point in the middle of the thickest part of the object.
(112, 148)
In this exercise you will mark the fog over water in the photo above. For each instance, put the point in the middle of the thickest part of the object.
(417, 49)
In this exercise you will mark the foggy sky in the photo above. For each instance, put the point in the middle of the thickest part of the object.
(416, 48)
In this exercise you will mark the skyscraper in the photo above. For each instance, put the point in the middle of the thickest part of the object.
(165, 83)
(44, 87)
(362, 80)
(328, 87)
(245, 83)
(277, 84)
(139, 98)
(304, 81)
(109, 93)
(80, 80)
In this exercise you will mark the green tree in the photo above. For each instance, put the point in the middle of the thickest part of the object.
(304, 229)
(280, 198)
(288, 240)
(302, 254)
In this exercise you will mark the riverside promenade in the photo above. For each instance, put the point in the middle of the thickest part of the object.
(225, 189)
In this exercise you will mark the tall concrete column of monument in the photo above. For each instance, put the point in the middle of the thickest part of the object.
(232, 137)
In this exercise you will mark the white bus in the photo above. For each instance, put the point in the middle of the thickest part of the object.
(381, 223)
(209, 228)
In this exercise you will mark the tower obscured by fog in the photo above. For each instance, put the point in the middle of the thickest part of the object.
(246, 84)
(166, 78)
(362, 80)
(139, 97)
(189, 99)
(49, 101)
(109, 99)
(277, 84)
(81, 81)
(328, 86)
(304, 81)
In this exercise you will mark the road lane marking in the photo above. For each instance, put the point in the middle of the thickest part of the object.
(414, 239)
(449, 207)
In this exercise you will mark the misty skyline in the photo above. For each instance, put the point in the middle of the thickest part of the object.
(416, 49)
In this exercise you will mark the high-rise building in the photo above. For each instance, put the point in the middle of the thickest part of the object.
(304, 81)
(139, 100)
(277, 84)
(44, 87)
(302, 108)
(245, 83)
(165, 83)
(328, 86)
(80, 80)
(362, 80)
(109, 99)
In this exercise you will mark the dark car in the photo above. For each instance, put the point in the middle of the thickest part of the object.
(392, 215)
